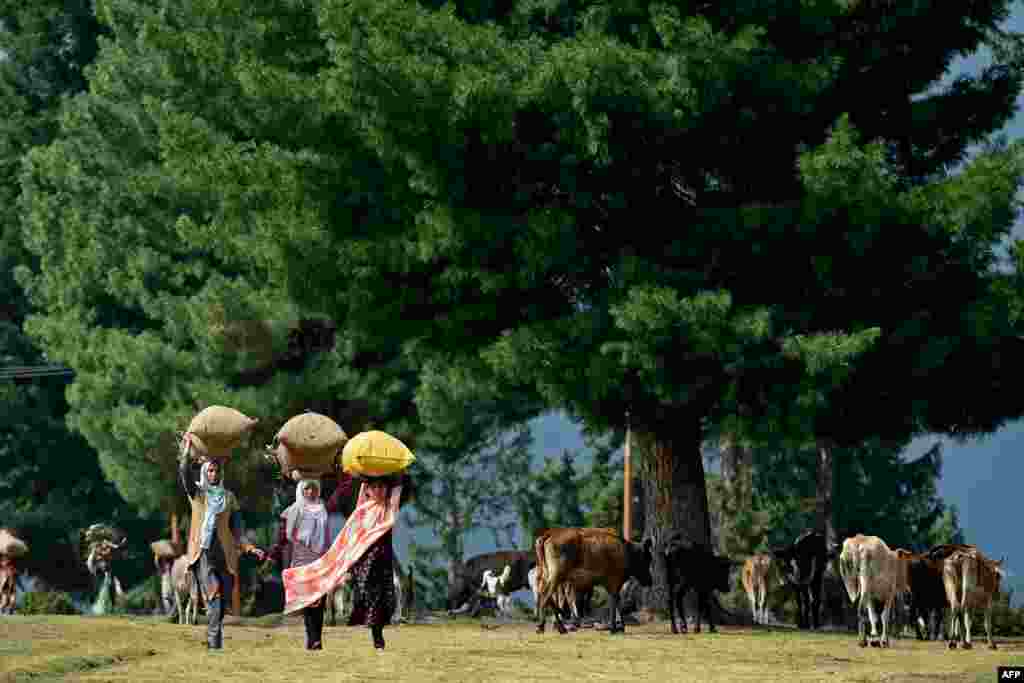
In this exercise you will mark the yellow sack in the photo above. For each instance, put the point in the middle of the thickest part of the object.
(221, 429)
(11, 545)
(312, 437)
(375, 454)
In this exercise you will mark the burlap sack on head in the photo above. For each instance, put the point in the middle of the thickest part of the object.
(220, 429)
(312, 437)
(11, 545)
(311, 465)
(376, 454)
(164, 549)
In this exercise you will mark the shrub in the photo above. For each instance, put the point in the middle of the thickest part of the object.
(48, 602)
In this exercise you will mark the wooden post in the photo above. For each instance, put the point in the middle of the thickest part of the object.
(627, 493)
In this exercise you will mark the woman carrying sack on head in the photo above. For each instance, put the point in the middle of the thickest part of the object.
(362, 553)
(213, 537)
(303, 529)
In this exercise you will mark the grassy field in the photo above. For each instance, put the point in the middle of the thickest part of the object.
(270, 650)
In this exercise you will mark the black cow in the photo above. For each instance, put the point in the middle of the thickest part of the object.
(466, 586)
(802, 566)
(695, 566)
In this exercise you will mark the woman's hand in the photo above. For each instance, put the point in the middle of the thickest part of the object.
(296, 475)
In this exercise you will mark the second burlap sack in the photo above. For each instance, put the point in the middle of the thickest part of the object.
(309, 443)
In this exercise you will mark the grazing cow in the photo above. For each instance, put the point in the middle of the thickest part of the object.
(755, 582)
(465, 587)
(972, 581)
(926, 597)
(694, 566)
(874, 576)
(802, 567)
(186, 591)
(611, 559)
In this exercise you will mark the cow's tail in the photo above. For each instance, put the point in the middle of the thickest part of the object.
(850, 571)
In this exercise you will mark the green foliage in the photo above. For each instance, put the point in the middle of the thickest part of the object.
(48, 602)
(142, 597)
(875, 491)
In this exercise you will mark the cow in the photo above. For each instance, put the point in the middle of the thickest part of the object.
(186, 591)
(926, 597)
(756, 571)
(611, 559)
(570, 601)
(802, 567)
(971, 581)
(874, 576)
(465, 586)
(690, 565)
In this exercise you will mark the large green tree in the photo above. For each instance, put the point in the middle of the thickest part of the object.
(730, 215)
(700, 214)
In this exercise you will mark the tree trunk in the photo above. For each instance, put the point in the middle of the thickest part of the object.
(675, 497)
(737, 489)
(824, 520)
(175, 534)
(638, 508)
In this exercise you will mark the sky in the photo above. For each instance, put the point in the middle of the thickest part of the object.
(979, 477)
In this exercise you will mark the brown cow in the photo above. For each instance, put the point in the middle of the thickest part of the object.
(972, 581)
(611, 559)
(755, 582)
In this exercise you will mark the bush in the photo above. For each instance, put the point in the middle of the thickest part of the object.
(48, 602)
(1006, 620)
(144, 597)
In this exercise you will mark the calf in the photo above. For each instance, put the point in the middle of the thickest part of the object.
(874, 576)
(494, 585)
(971, 581)
(186, 591)
(610, 559)
(755, 582)
(464, 588)
(691, 565)
(802, 567)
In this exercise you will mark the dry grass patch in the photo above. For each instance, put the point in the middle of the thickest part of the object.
(142, 649)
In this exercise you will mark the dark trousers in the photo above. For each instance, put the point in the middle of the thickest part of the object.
(216, 584)
(313, 617)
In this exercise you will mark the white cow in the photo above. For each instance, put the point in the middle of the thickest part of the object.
(874, 576)
(495, 585)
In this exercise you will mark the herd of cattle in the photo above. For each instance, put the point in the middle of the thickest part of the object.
(566, 564)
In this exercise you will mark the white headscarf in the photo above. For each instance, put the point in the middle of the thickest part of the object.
(310, 518)
(216, 501)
